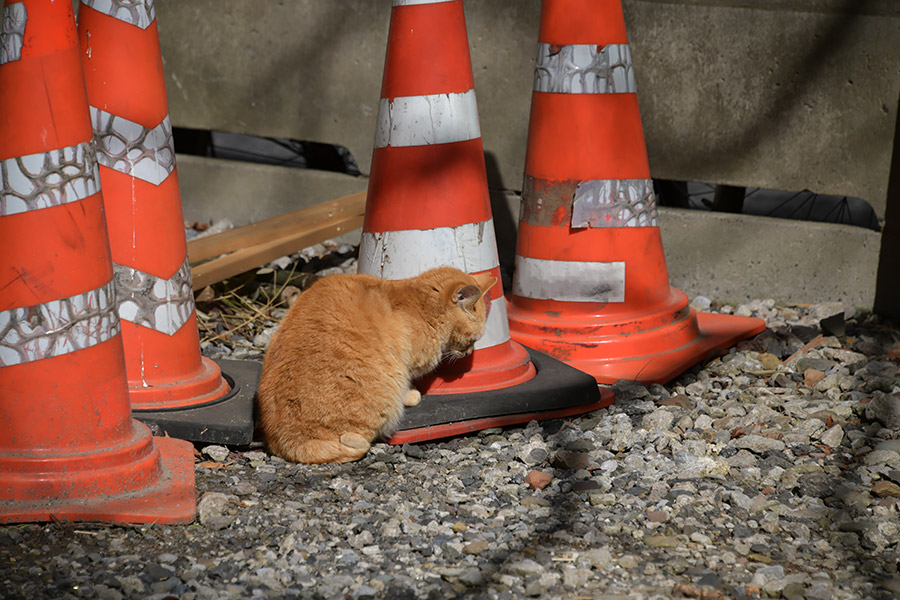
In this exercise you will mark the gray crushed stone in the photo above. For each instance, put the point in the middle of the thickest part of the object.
(765, 473)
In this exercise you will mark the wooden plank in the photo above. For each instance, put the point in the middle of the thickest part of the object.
(256, 233)
(248, 258)
(273, 238)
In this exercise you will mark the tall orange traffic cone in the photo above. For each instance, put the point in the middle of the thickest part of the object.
(171, 384)
(428, 205)
(68, 446)
(590, 285)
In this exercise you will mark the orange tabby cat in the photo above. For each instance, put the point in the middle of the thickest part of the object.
(337, 373)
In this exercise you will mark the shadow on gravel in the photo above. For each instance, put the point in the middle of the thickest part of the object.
(827, 521)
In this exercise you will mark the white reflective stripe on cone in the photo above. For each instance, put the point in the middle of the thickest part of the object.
(584, 69)
(139, 14)
(132, 149)
(164, 305)
(425, 120)
(57, 327)
(12, 25)
(47, 179)
(471, 247)
(496, 330)
(569, 281)
(414, 2)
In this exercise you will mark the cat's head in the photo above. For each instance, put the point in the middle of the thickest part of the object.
(467, 312)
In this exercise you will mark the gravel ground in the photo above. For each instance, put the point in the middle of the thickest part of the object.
(773, 471)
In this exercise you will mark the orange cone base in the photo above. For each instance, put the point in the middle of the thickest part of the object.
(167, 372)
(168, 498)
(653, 347)
(557, 390)
(492, 368)
(227, 420)
(424, 434)
(204, 386)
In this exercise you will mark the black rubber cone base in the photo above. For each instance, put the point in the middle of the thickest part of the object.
(227, 420)
(557, 390)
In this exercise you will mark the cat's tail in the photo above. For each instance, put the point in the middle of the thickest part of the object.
(312, 451)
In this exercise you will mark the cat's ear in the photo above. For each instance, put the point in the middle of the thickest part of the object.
(485, 281)
(466, 296)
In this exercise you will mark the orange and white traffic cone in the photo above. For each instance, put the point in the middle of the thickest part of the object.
(171, 384)
(591, 286)
(428, 206)
(69, 448)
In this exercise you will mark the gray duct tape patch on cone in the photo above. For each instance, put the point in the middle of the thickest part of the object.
(592, 203)
(584, 69)
(12, 32)
(614, 203)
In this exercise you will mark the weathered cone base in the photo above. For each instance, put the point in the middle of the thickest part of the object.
(557, 390)
(651, 348)
(225, 420)
(204, 386)
(494, 368)
(170, 500)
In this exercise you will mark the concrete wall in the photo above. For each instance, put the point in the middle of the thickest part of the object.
(787, 94)
(729, 258)
(734, 258)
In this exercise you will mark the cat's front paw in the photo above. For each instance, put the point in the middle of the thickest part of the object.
(413, 397)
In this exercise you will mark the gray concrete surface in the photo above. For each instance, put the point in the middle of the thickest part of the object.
(782, 94)
(305, 69)
(246, 193)
(887, 292)
(792, 95)
(726, 257)
(733, 258)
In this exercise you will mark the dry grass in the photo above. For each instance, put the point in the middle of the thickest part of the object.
(245, 307)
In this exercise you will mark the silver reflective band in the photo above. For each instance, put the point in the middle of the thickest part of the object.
(471, 247)
(614, 203)
(424, 120)
(12, 32)
(569, 281)
(139, 13)
(584, 69)
(150, 301)
(133, 149)
(57, 327)
(48, 179)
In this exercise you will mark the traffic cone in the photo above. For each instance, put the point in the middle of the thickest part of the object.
(69, 448)
(171, 384)
(428, 205)
(591, 286)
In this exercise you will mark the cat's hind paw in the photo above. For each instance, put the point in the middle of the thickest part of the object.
(413, 397)
(355, 441)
